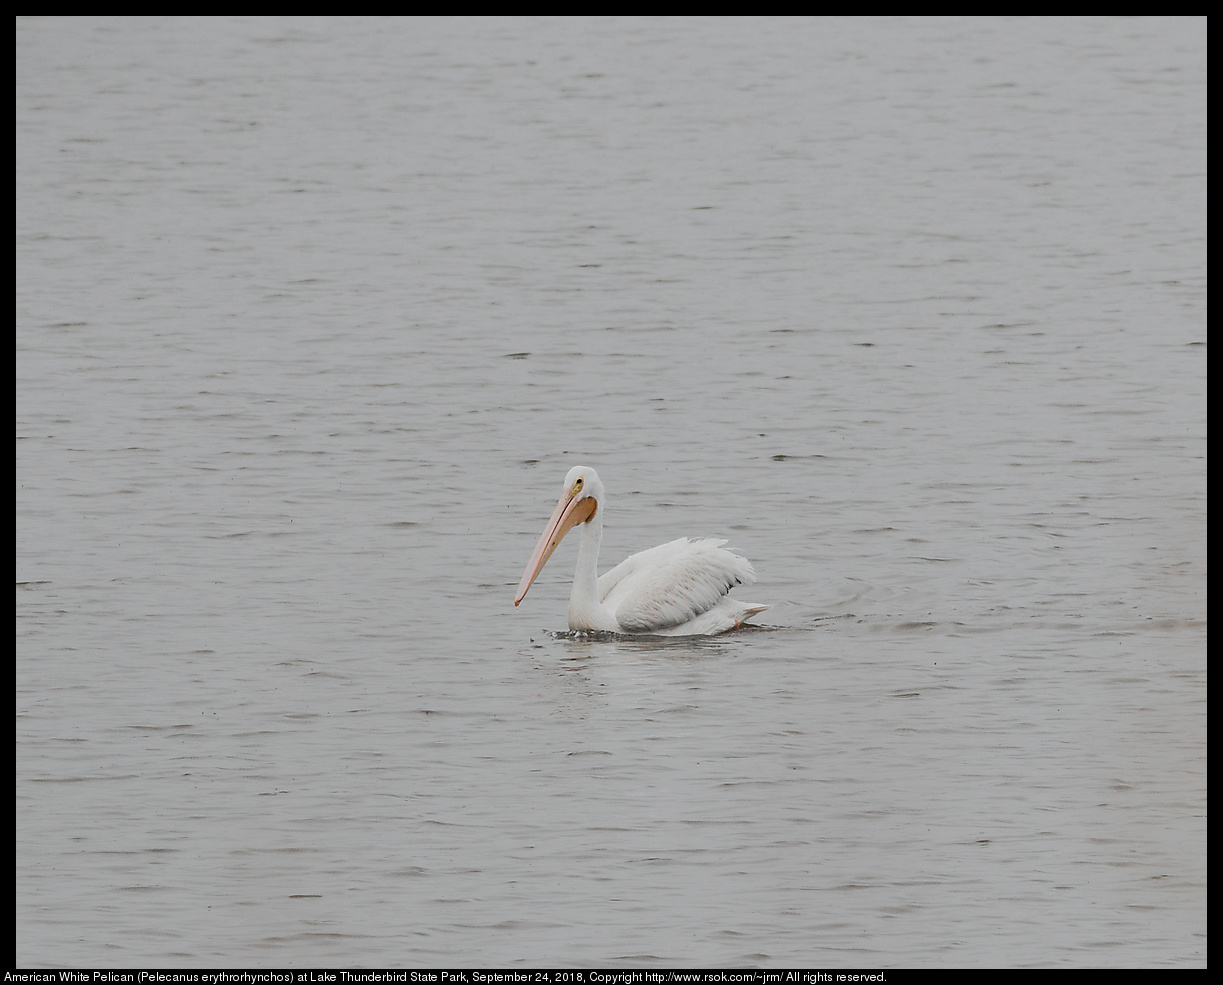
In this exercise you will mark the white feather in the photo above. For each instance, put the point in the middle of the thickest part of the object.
(670, 585)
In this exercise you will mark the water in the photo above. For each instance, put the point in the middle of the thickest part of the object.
(312, 319)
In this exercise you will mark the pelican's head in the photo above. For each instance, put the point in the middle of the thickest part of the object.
(582, 482)
(579, 503)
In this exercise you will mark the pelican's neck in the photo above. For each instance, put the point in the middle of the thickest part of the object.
(584, 604)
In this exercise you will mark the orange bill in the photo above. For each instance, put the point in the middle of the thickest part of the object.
(568, 514)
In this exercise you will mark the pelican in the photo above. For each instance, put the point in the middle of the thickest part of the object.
(676, 589)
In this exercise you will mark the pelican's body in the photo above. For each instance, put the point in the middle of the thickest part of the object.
(676, 589)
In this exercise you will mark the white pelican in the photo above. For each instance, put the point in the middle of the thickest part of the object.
(677, 589)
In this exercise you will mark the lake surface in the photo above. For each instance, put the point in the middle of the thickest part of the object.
(312, 318)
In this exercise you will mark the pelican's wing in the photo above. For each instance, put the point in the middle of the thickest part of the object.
(635, 564)
(671, 585)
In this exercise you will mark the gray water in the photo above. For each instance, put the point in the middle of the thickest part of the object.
(312, 319)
